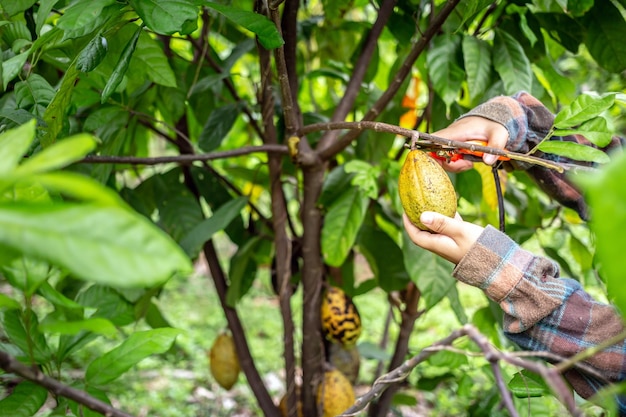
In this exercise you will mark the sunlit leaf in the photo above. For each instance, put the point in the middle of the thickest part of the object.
(584, 108)
(63, 153)
(13, 144)
(137, 347)
(108, 245)
(95, 325)
(55, 113)
(527, 384)
(595, 130)
(83, 17)
(574, 151)
(607, 200)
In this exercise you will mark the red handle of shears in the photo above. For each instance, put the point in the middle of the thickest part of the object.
(460, 153)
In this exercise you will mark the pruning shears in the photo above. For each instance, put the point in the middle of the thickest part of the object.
(455, 154)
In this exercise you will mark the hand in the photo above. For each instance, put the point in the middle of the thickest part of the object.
(474, 128)
(452, 238)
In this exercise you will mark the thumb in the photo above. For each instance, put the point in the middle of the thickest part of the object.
(438, 223)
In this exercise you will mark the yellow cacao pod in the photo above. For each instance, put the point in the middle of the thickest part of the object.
(334, 394)
(341, 321)
(223, 361)
(424, 186)
(282, 405)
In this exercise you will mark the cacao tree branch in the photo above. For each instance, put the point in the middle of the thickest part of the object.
(409, 315)
(280, 216)
(32, 373)
(551, 375)
(186, 158)
(405, 69)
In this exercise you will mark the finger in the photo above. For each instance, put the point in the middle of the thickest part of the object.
(441, 224)
(457, 166)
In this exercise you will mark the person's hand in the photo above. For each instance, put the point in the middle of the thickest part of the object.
(452, 238)
(474, 128)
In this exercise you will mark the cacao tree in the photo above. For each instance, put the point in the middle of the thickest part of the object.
(136, 135)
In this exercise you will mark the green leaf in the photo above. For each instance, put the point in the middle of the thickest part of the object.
(527, 384)
(95, 325)
(606, 30)
(150, 60)
(79, 187)
(477, 59)
(13, 145)
(137, 347)
(26, 274)
(48, 292)
(242, 271)
(12, 66)
(34, 94)
(45, 7)
(384, 258)
(222, 217)
(59, 155)
(109, 304)
(584, 108)
(55, 113)
(443, 70)
(107, 245)
(25, 400)
(83, 17)
(258, 24)
(606, 196)
(511, 63)
(7, 303)
(595, 130)
(574, 151)
(342, 224)
(13, 7)
(431, 273)
(366, 177)
(217, 126)
(336, 182)
(91, 56)
(22, 329)
(167, 17)
(121, 67)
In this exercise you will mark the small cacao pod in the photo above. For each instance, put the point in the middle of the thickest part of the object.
(223, 361)
(334, 394)
(341, 321)
(345, 359)
(423, 185)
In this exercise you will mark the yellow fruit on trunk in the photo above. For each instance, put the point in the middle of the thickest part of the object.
(424, 186)
(335, 394)
(341, 321)
(224, 363)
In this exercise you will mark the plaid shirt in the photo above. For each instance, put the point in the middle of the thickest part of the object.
(543, 312)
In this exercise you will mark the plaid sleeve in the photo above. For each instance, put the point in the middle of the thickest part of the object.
(543, 312)
(528, 121)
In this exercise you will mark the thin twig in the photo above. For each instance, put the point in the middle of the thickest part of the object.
(32, 373)
(552, 376)
(185, 158)
(432, 140)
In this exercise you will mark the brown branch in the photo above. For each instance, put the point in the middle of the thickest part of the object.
(185, 158)
(552, 375)
(404, 70)
(32, 373)
(409, 315)
(280, 216)
(360, 68)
